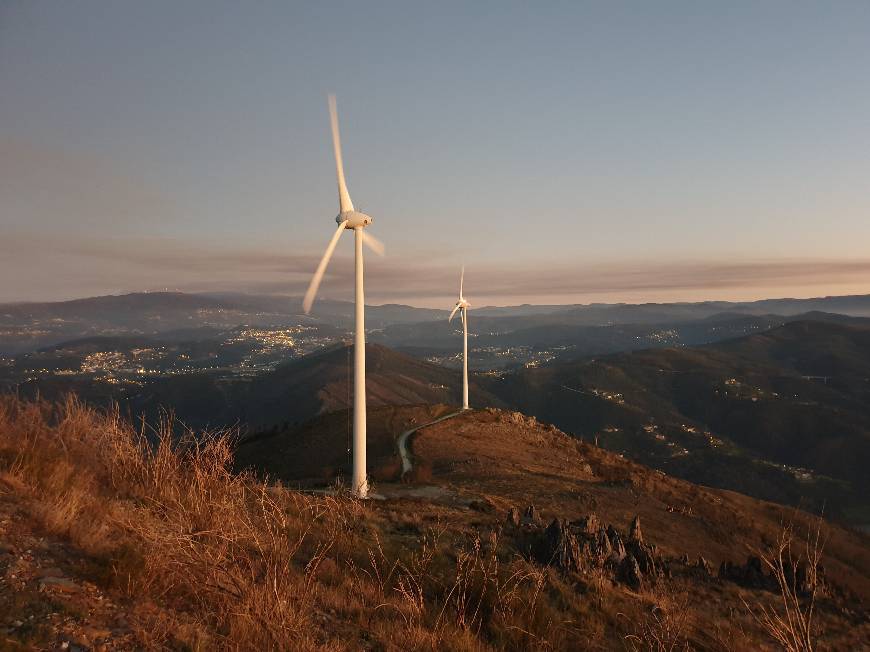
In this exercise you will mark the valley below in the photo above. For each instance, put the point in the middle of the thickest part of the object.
(625, 471)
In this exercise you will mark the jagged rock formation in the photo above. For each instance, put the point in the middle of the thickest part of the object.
(584, 544)
(752, 575)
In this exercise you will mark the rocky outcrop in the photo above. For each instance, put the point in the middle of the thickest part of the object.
(513, 517)
(584, 544)
(752, 575)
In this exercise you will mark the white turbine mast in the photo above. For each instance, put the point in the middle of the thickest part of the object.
(462, 306)
(348, 218)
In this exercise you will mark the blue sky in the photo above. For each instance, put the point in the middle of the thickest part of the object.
(564, 151)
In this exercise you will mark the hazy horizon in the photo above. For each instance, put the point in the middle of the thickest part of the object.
(565, 153)
(444, 303)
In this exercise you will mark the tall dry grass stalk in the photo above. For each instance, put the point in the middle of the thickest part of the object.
(798, 579)
(665, 626)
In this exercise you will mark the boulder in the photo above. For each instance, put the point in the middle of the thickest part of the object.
(630, 573)
(634, 533)
(513, 517)
(617, 546)
(561, 547)
(751, 574)
(588, 524)
(603, 546)
(531, 516)
(645, 557)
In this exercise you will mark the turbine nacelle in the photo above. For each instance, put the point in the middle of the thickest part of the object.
(353, 219)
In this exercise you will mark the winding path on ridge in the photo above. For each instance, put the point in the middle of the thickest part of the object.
(402, 441)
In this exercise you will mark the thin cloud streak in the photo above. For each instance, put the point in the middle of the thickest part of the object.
(87, 267)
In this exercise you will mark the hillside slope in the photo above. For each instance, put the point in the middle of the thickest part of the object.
(513, 459)
(111, 543)
(472, 469)
(796, 395)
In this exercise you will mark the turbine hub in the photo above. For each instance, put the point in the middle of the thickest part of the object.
(354, 219)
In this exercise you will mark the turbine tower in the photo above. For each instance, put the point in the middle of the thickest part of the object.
(462, 307)
(348, 218)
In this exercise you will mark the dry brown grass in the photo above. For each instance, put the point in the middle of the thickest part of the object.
(665, 625)
(173, 523)
(237, 564)
(223, 561)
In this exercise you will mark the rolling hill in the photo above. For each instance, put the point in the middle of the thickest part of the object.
(301, 389)
(782, 414)
(472, 469)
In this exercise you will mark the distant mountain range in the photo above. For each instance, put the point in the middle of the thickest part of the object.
(29, 326)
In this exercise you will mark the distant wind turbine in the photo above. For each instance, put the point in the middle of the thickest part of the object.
(462, 306)
(348, 218)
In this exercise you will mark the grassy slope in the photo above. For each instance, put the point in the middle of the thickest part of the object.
(191, 556)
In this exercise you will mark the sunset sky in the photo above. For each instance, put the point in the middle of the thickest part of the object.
(565, 152)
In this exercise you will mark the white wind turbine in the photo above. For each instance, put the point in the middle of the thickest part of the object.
(348, 218)
(462, 306)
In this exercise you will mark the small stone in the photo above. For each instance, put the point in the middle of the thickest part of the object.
(61, 584)
(49, 572)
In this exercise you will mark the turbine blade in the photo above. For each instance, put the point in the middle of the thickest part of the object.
(461, 281)
(344, 202)
(373, 243)
(450, 318)
(321, 268)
